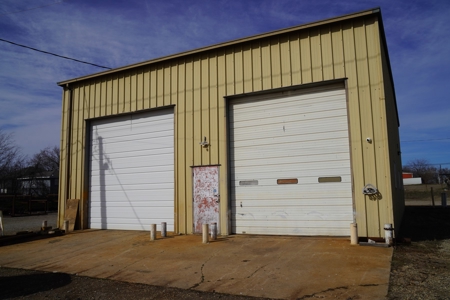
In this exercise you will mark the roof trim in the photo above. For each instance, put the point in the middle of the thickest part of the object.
(224, 44)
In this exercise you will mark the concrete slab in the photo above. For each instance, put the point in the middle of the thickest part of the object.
(261, 266)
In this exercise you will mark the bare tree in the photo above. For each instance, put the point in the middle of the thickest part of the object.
(421, 168)
(12, 162)
(46, 160)
(42, 173)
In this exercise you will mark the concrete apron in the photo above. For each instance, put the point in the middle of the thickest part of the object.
(260, 266)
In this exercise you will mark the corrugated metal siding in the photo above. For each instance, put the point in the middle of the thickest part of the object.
(196, 84)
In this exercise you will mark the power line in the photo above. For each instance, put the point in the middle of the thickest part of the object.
(57, 55)
(426, 140)
(33, 8)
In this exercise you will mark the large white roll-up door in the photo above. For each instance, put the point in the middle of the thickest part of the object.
(290, 164)
(132, 171)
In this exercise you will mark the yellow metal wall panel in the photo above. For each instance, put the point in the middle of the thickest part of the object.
(238, 70)
(180, 150)
(115, 95)
(173, 82)
(338, 51)
(197, 112)
(256, 67)
(382, 156)
(153, 87)
(205, 100)
(63, 171)
(97, 103)
(275, 63)
(355, 126)
(140, 90)
(104, 99)
(366, 113)
(285, 60)
(92, 100)
(316, 55)
(266, 65)
(146, 85)
(160, 86)
(305, 51)
(229, 58)
(213, 110)
(327, 53)
(247, 68)
(133, 91)
(167, 86)
(296, 70)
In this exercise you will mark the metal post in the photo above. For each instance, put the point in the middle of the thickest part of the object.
(388, 234)
(213, 231)
(353, 234)
(432, 196)
(163, 229)
(205, 232)
(153, 232)
(66, 226)
(444, 199)
(44, 225)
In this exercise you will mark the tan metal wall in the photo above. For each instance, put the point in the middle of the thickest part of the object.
(196, 84)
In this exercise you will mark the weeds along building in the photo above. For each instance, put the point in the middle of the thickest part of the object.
(292, 132)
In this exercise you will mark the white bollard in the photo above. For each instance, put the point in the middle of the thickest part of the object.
(205, 233)
(163, 229)
(353, 234)
(213, 231)
(388, 234)
(152, 232)
(66, 226)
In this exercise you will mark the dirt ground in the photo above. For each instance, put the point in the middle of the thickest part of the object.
(421, 269)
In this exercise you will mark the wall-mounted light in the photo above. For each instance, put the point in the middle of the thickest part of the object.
(204, 143)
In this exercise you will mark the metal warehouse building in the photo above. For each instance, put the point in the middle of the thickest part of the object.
(292, 132)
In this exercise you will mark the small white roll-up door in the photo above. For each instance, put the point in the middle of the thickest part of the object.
(290, 164)
(132, 171)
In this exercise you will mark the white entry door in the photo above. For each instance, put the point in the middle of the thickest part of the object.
(206, 196)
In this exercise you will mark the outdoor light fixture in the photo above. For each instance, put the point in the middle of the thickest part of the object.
(204, 143)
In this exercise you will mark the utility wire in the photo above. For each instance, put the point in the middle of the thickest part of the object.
(57, 55)
(33, 8)
(426, 140)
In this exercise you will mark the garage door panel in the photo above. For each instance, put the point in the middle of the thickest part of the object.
(132, 171)
(339, 229)
(132, 190)
(308, 99)
(273, 162)
(134, 179)
(268, 120)
(301, 137)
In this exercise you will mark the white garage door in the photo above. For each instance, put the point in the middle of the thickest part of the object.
(132, 171)
(290, 164)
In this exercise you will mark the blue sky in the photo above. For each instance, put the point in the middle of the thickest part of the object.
(121, 32)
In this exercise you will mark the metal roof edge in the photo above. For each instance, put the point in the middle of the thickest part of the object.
(225, 44)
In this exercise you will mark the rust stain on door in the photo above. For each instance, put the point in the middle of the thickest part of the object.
(206, 196)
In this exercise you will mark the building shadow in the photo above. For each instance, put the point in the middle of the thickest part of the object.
(421, 223)
(29, 284)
